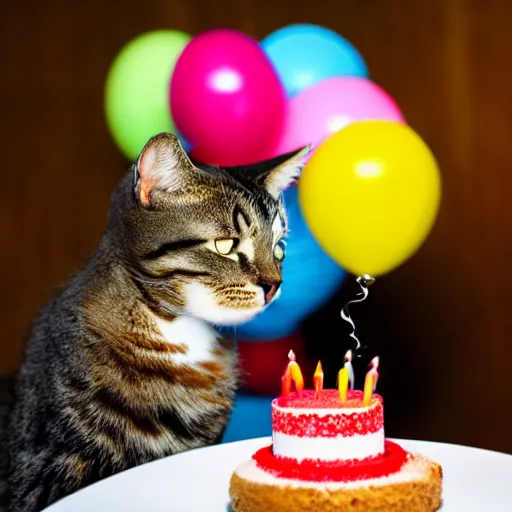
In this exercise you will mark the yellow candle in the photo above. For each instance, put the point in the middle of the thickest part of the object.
(318, 380)
(370, 382)
(346, 377)
(296, 375)
(343, 384)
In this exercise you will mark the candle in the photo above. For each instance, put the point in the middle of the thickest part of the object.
(350, 369)
(370, 381)
(346, 377)
(286, 383)
(292, 374)
(295, 372)
(318, 379)
(343, 383)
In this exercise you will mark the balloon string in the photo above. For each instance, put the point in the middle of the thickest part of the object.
(364, 282)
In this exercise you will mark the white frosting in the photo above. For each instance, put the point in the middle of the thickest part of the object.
(356, 446)
(413, 470)
(328, 448)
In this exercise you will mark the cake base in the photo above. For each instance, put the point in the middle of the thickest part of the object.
(415, 488)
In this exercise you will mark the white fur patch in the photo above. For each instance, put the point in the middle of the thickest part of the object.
(247, 247)
(201, 303)
(197, 335)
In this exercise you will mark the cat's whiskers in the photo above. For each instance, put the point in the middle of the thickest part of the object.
(202, 302)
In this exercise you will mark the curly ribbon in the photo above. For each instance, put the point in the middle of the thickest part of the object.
(364, 282)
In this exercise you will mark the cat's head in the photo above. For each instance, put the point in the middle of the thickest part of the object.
(207, 241)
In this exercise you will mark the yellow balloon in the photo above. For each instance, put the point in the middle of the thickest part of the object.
(370, 194)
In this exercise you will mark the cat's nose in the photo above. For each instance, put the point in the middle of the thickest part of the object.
(270, 289)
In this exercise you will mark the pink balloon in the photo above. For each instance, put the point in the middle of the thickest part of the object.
(328, 106)
(226, 99)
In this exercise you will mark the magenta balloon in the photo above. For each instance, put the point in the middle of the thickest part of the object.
(328, 106)
(226, 99)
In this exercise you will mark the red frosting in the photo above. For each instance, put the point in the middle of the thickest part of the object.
(329, 399)
(367, 420)
(393, 458)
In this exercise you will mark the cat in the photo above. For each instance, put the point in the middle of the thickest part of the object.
(6, 396)
(124, 365)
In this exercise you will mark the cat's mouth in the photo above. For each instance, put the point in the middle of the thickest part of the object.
(229, 305)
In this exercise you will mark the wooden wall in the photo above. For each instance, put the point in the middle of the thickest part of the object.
(441, 322)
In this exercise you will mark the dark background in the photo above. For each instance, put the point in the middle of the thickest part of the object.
(441, 323)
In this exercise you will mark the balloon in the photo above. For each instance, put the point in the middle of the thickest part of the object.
(136, 89)
(370, 195)
(310, 279)
(226, 99)
(325, 108)
(306, 54)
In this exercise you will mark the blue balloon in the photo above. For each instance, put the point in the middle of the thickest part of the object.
(305, 54)
(251, 418)
(310, 279)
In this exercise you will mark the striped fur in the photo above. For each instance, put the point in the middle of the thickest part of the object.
(123, 366)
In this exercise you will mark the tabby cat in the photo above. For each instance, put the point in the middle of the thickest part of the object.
(124, 366)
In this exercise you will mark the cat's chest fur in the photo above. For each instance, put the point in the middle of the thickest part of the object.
(197, 337)
(193, 384)
(167, 383)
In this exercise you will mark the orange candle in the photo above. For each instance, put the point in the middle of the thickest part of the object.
(292, 374)
(318, 380)
(370, 381)
(286, 383)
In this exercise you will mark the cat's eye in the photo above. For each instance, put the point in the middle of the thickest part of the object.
(279, 250)
(225, 246)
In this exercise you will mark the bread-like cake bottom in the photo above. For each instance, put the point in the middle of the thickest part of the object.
(415, 488)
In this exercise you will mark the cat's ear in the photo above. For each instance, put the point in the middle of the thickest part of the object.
(163, 164)
(279, 178)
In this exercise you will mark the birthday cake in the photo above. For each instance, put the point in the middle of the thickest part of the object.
(331, 454)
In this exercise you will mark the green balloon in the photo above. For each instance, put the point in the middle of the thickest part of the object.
(137, 89)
